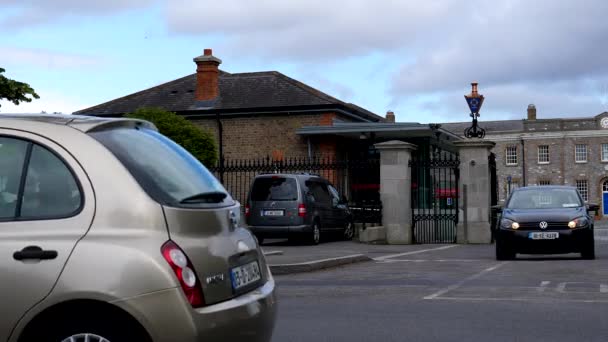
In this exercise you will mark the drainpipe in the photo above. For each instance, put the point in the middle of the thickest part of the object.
(220, 133)
(523, 162)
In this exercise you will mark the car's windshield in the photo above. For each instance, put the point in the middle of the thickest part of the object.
(544, 199)
(164, 169)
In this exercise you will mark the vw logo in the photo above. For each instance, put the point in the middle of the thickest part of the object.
(543, 225)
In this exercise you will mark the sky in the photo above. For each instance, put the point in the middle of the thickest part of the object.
(416, 58)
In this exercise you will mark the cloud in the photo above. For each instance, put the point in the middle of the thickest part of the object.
(312, 29)
(27, 13)
(509, 102)
(50, 102)
(46, 59)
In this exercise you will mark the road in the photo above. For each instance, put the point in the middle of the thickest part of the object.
(458, 293)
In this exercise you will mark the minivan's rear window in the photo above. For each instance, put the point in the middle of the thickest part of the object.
(169, 173)
(274, 189)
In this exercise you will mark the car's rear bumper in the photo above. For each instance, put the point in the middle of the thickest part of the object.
(167, 316)
(569, 241)
(279, 231)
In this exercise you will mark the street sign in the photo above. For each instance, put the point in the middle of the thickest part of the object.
(474, 103)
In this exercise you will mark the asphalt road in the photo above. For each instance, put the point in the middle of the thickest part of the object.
(456, 294)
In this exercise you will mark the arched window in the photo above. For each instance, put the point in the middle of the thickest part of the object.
(605, 186)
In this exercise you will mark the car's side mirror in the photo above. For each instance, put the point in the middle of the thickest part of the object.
(335, 202)
(497, 208)
(593, 207)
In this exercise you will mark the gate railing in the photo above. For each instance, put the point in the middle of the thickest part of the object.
(435, 199)
(357, 179)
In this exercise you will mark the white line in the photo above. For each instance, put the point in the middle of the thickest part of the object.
(543, 286)
(462, 282)
(431, 260)
(414, 252)
(478, 299)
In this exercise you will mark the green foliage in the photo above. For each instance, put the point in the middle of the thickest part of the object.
(198, 142)
(15, 91)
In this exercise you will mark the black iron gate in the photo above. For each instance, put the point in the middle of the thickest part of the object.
(435, 198)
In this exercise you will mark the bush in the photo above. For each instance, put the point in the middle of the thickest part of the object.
(198, 142)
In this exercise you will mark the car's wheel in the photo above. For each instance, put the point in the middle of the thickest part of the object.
(588, 251)
(503, 251)
(89, 328)
(315, 234)
(349, 230)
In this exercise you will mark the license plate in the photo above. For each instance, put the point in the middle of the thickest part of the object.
(244, 275)
(543, 235)
(272, 213)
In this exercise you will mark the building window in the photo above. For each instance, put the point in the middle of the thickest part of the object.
(544, 182)
(511, 154)
(543, 154)
(580, 153)
(581, 185)
(605, 152)
(512, 186)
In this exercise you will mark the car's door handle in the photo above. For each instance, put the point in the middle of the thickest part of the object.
(34, 252)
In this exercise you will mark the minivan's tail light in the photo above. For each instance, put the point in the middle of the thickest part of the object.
(247, 210)
(301, 210)
(184, 271)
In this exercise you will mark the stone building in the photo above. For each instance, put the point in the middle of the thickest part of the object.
(561, 151)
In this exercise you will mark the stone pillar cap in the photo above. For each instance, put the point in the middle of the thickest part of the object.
(395, 145)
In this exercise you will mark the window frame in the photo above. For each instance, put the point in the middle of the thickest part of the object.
(30, 146)
(538, 152)
(586, 192)
(513, 148)
(576, 153)
(602, 152)
(544, 182)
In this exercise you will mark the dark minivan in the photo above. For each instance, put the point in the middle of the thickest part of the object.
(296, 206)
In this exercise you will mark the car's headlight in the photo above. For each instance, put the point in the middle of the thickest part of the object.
(578, 222)
(509, 224)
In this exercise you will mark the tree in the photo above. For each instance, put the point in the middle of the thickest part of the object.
(15, 91)
(197, 141)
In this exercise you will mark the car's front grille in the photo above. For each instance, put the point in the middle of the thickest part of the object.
(536, 225)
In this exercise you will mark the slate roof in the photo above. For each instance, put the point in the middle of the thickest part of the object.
(248, 91)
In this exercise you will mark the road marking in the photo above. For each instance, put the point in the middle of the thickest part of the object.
(462, 282)
(431, 260)
(550, 300)
(543, 286)
(390, 256)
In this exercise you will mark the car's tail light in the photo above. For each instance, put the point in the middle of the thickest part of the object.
(184, 271)
(301, 210)
(247, 210)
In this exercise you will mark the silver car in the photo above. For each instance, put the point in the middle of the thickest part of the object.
(111, 231)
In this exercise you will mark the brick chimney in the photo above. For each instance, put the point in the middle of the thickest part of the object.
(207, 74)
(531, 112)
(390, 116)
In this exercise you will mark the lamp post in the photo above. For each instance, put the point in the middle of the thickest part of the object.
(474, 100)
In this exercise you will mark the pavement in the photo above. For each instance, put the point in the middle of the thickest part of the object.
(285, 257)
(445, 293)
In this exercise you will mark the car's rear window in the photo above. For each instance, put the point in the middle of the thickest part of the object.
(163, 168)
(274, 189)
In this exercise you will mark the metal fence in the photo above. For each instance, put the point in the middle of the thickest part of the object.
(358, 180)
(435, 198)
